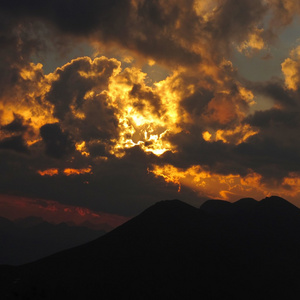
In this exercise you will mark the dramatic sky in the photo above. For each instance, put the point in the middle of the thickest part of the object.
(107, 106)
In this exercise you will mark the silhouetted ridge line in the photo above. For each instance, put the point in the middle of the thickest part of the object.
(170, 217)
(175, 251)
(246, 202)
(275, 201)
(170, 206)
(218, 207)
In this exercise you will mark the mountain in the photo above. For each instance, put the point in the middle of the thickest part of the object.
(175, 251)
(29, 239)
(219, 207)
(246, 203)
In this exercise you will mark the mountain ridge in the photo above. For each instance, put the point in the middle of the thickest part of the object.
(173, 250)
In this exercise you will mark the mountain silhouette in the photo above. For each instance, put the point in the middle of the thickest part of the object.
(246, 203)
(218, 207)
(175, 251)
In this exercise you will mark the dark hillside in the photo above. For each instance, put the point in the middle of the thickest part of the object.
(175, 251)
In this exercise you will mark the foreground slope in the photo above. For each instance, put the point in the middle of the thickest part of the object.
(175, 251)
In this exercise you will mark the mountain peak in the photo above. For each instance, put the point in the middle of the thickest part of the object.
(278, 203)
(172, 203)
(275, 200)
(164, 216)
(167, 207)
(216, 207)
(246, 203)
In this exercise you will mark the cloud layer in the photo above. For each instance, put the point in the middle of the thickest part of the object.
(110, 139)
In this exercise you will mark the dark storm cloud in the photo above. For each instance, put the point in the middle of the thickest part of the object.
(274, 152)
(196, 103)
(100, 121)
(274, 116)
(122, 186)
(172, 32)
(269, 157)
(234, 20)
(58, 144)
(74, 16)
(161, 30)
(97, 149)
(13, 134)
(17, 43)
(265, 155)
(15, 143)
(216, 157)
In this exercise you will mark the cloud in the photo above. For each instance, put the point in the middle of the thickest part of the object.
(14, 135)
(74, 80)
(275, 117)
(48, 172)
(16, 143)
(58, 143)
(17, 125)
(108, 140)
(291, 69)
(116, 185)
(14, 207)
(283, 11)
(175, 32)
(19, 40)
(275, 89)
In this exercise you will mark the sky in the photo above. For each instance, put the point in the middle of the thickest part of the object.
(108, 106)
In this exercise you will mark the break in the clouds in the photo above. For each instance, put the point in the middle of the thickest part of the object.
(104, 132)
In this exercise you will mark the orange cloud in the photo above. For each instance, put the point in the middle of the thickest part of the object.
(70, 171)
(145, 114)
(235, 136)
(227, 187)
(31, 90)
(48, 172)
(67, 171)
(253, 43)
(142, 115)
(81, 147)
(290, 68)
(228, 106)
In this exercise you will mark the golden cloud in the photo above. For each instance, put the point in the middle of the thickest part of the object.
(226, 187)
(67, 171)
(291, 69)
(201, 181)
(235, 136)
(255, 42)
(48, 172)
(70, 171)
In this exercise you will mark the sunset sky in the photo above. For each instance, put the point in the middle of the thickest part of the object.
(108, 106)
